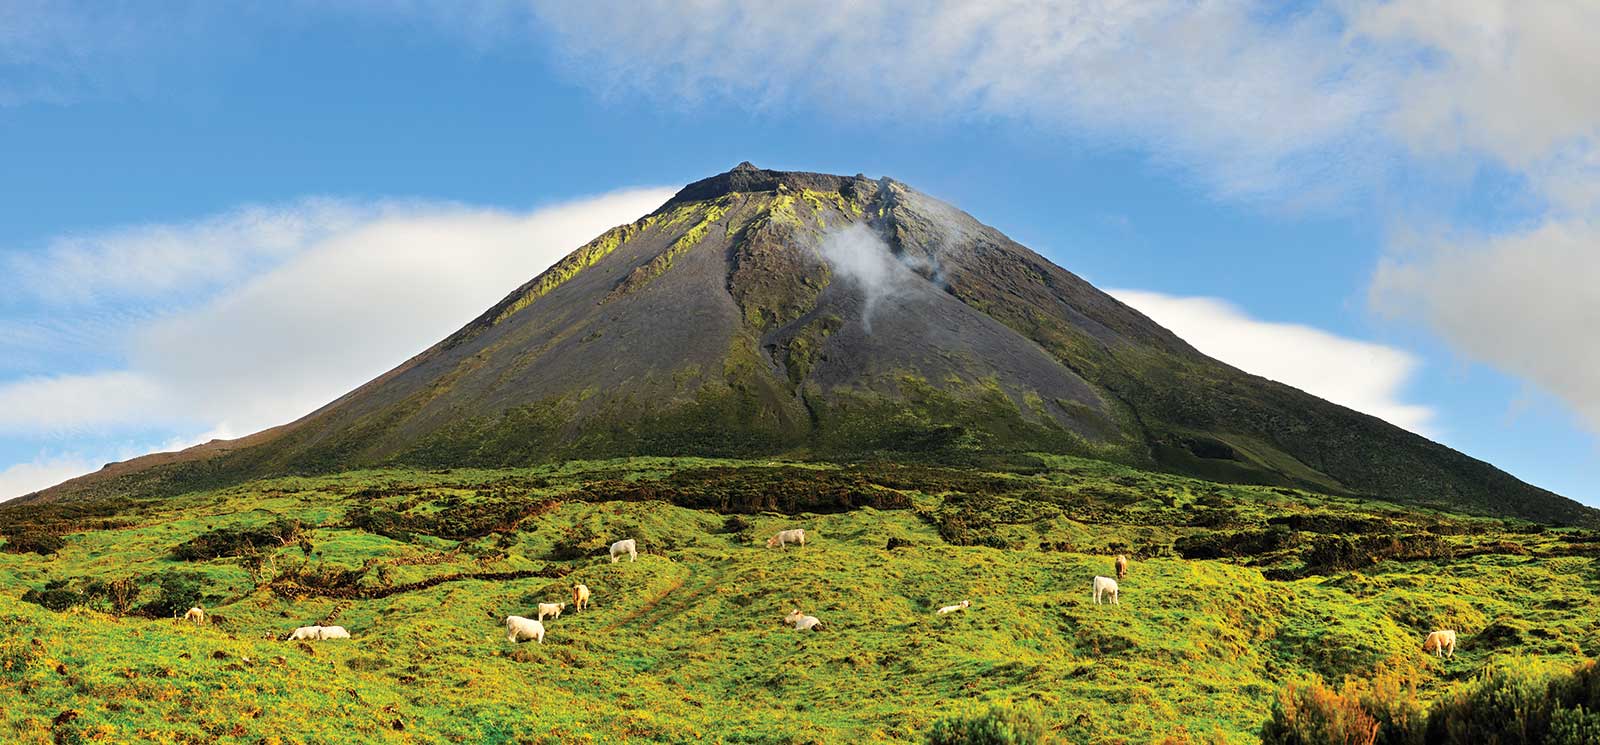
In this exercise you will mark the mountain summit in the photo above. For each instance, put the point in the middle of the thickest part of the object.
(765, 312)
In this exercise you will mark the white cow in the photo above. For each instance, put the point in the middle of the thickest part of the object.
(550, 609)
(953, 608)
(580, 596)
(1105, 586)
(1441, 643)
(803, 622)
(315, 633)
(195, 614)
(625, 546)
(798, 535)
(519, 628)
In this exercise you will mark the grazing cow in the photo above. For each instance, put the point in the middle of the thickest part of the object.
(1122, 566)
(519, 628)
(552, 610)
(1104, 586)
(195, 614)
(580, 597)
(1441, 643)
(798, 535)
(803, 622)
(626, 546)
(953, 608)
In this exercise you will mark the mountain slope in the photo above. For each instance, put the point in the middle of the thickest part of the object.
(762, 312)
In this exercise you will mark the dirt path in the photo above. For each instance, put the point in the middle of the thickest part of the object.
(672, 602)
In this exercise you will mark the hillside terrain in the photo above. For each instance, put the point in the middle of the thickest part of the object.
(1234, 591)
(833, 318)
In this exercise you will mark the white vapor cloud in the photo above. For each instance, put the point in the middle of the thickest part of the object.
(1368, 377)
(1525, 303)
(858, 255)
(348, 293)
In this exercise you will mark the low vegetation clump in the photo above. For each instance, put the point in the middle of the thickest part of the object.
(1000, 725)
(1517, 702)
(686, 644)
(220, 542)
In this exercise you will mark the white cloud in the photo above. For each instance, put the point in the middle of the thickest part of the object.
(1511, 79)
(67, 403)
(42, 472)
(1365, 376)
(1251, 99)
(1526, 303)
(348, 299)
(151, 261)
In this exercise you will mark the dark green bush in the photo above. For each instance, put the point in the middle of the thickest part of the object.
(1518, 704)
(223, 542)
(1235, 545)
(56, 595)
(33, 541)
(174, 593)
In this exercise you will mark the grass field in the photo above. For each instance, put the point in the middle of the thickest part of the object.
(1233, 591)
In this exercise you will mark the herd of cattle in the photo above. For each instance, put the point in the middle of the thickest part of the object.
(520, 628)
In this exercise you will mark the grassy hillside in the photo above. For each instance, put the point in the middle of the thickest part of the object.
(1234, 591)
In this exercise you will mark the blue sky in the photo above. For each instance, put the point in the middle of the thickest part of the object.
(216, 219)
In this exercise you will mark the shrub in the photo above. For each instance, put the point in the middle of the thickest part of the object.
(1516, 703)
(33, 541)
(1235, 545)
(1580, 726)
(175, 592)
(1519, 703)
(1391, 698)
(1310, 713)
(1000, 725)
(56, 595)
(222, 542)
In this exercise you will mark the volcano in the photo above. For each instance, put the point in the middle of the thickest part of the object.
(812, 316)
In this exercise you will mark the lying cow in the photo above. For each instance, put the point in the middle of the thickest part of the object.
(317, 633)
(963, 605)
(803, 622)
(519, 629)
